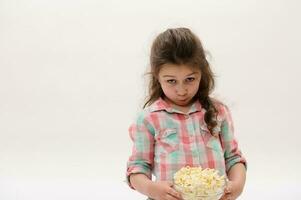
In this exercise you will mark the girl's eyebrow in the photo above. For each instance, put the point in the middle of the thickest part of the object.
(191, 73)
(168, 76)
(175, 76)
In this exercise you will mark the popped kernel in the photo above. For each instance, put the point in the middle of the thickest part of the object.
(194, 182)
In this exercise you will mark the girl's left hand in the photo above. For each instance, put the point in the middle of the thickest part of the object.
(230, 192)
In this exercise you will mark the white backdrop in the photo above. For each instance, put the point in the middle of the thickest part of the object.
(71, 82)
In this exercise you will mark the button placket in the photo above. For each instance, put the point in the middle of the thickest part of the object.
(192, 131)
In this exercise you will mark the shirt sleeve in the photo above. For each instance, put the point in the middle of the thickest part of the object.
(142, 157)
(232, 152)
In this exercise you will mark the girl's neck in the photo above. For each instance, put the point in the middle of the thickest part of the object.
(183, 109)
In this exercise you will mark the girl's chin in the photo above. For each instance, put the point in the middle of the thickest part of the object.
(183, 103)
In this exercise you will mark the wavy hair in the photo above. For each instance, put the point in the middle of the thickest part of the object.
(180, 46)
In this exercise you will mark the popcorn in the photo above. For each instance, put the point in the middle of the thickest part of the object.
(196, 183)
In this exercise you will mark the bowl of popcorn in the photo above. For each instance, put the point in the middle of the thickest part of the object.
(195, 183)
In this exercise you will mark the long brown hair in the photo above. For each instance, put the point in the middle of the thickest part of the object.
(181, 46)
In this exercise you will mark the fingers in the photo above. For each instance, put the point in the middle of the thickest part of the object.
(174, 193)
(228, 189)
(171, 197)
(227, 193)
(227, 197)
(167, 192)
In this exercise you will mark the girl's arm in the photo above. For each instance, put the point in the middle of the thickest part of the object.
(160, 190)
(237, 178)
(234, 160)
(141, 183)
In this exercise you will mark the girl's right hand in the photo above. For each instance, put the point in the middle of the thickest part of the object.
(162, 190)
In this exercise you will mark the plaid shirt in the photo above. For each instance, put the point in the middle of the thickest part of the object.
(165, 140)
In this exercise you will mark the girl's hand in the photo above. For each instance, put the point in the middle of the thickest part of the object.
(231, 191)
(162, 190)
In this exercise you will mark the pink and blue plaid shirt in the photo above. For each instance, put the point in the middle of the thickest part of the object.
(165, 140)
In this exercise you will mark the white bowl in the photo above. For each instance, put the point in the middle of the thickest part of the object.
(191, 196)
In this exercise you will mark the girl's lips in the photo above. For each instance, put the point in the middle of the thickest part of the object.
(183, 99)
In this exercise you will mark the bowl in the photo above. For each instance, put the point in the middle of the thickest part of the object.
(195, 196)
(196, 183)
(216, 196)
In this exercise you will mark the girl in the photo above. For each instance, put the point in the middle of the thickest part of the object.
(181, 125)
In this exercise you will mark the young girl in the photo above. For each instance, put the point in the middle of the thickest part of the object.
(181, 125)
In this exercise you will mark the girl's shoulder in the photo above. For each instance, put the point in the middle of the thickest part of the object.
(218, 104)
(221, 108)
(152, 112)
(145, 114)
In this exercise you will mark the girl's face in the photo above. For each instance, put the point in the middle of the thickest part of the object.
(179, 83)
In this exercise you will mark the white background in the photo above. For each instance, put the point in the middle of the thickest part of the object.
(71, 82)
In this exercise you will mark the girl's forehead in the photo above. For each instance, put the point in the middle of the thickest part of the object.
(178, 70)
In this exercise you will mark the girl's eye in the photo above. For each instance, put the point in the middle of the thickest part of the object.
(190, 79)
(171, 81)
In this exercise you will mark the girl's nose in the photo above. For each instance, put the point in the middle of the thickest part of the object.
(181, 90)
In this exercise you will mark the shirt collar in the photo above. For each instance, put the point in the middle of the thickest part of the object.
(161, 104)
